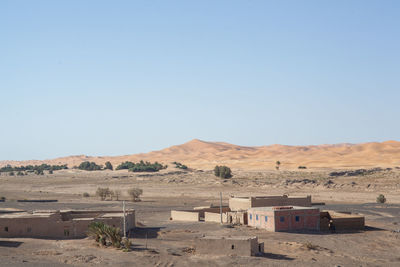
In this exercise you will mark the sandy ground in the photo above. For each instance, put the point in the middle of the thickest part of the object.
(167, 240)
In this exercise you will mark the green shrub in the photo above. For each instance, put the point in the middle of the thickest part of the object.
(179, 165)
(141, 166)
(381, 199)
(50, 171)
(222, 171)
(39, 172)
(302, 167)
(86, 194)
(20, 173)
(278, 164)
(32, 168)
(89, 166)
(11, 173)
(108, 166)
(102, 233)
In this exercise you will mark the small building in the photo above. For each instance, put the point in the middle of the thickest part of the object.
(197, 214)
(245, 203)
(235, 245)
(59, 224)
(340, 221)
(284, 218)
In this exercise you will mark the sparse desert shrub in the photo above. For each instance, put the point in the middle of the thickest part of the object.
(135, 194)
(116, 194)
(11, 173)
(20, 173)
(310, 245)
(277, 165)
(108, 166)
(179, 165)
(39, 172)
(302, 167)
(381, 199)
(103, 193)
(222, 171)
(2, 199)
(127, 244)
(86, 194)
(50, 171)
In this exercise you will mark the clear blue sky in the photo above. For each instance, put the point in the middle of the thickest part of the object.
(122, 77)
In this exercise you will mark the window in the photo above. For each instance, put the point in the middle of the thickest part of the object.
(233, 246)
(251, 217)
(66, 232)
(6, 228)
(257, 217)
(297, 218)
(29, 229)
(282, 219)
(266, 218)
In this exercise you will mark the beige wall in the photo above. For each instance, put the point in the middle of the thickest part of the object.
(182, 215)
(54, 226)
(215, 217)
(237, 204)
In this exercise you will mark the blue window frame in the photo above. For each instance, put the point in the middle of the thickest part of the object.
(257, 217)
(297, 218)
(266, 218)
(282, 219)
(251, 217)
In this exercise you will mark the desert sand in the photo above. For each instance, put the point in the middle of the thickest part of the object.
(169, 243)
(205, 155)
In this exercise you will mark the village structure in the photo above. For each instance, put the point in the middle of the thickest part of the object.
(270, 213)
(64, 224)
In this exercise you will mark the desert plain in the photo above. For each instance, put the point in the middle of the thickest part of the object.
(332, 177)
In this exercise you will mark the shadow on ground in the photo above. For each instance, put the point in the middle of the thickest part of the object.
(10, 244)
(145, 232)
(274, 256)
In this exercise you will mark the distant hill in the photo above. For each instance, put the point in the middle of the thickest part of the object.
(205, 155)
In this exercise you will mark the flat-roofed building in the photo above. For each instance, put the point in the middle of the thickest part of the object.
(245, 203)
(284, 218)
(60, 224)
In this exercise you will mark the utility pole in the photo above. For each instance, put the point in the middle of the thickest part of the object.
(123, 209)
(220, 205)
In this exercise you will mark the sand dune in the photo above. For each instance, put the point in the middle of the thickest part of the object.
(205, 155)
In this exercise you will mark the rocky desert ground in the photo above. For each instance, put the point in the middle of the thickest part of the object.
(170, 243)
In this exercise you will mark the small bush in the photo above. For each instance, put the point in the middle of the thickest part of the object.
(302, 167)
(3, 198)
(86, 194)
(19, 173)
(116, 194)
(310, 246)
(39, 172)
(135, 193)
(11, 173)
(103, 193)
(50, 171)
(381, 199)
(108, 166)
(179, 165)
(222, 171)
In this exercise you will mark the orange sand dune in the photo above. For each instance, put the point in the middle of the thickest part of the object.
(205, 155)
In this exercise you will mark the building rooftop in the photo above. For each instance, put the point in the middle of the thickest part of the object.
(230, 237)
(282, 208)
